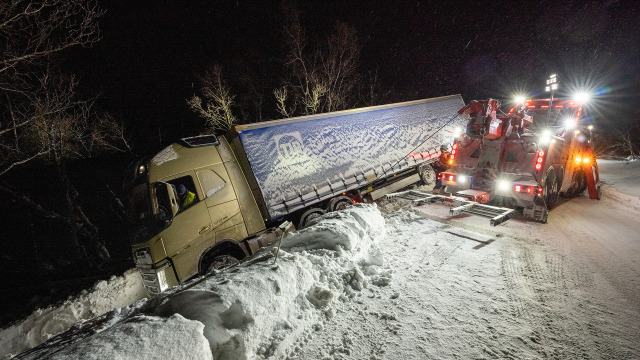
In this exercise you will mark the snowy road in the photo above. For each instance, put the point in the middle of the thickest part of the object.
(397, 284)
(461, 288)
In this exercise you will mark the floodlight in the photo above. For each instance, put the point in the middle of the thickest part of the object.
(581, 97)
(569, 123)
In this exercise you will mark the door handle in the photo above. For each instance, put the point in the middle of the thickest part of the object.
(205, 229)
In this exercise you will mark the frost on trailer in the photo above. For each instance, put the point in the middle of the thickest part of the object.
(302, 159)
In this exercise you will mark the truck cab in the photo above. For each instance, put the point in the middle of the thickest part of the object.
(172, 243)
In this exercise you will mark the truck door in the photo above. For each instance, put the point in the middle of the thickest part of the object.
(190, 223)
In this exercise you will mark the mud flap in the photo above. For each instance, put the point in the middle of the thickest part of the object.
(591, 181)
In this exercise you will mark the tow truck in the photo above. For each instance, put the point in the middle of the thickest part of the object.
(515, 163)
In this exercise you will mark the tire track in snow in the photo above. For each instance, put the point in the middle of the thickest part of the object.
(518, 287)
(536, 291)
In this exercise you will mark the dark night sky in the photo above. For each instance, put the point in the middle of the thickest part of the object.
(152, 52)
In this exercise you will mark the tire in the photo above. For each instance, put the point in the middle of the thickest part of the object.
(550, 189)
(427, 175)
(578, 184)
(221, 262)
(308, 216)
(339, 203)
(223, 255)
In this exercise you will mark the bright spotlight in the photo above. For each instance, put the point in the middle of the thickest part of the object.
(569, 123)
(545, 137)
(519, 99)
(581, 97)
(457, 131)
(590, 127)
(503, 185)
(462, 178)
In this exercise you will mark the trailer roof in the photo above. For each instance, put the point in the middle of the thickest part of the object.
(240, 128)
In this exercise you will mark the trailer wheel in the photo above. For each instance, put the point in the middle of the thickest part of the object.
(308, 216)
(427, 175)
(339, 203)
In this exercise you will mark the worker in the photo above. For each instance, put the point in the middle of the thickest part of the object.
(187, 198)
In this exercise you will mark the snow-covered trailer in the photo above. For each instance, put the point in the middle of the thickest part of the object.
(239, 188)
(298, 163)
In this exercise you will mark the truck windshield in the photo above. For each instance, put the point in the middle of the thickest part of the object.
(149, 211)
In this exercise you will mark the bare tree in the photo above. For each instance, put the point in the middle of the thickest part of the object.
(216, 102)
(626, 140)
(281, 101)
(321, 79)
(42, 115)
(31, 32)
(339, 66)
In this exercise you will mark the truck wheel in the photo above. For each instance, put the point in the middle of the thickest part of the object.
(550, 189)
(578, 185)
(308, 216)
(221, 256)
(221, 262)
(339, 203)
(427, 175)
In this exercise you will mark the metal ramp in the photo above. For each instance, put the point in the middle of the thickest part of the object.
(497, 215)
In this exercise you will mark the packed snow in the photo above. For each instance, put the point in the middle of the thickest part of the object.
(385, 281)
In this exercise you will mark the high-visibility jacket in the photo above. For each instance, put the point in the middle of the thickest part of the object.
(188, 200)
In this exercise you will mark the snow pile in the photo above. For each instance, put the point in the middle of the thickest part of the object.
(131, 340)
(258, 309)
(43, 324)
(265, 310)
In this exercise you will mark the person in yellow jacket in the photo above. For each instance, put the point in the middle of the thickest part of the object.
(187, 198)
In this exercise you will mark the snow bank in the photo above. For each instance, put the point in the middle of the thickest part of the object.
(130, 340)
(265, 310)
(43, 324)
(255, 310)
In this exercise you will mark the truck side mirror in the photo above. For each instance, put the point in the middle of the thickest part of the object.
(166, 200)
(173, 198)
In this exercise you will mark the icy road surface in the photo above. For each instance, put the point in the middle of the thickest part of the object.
(387, 282)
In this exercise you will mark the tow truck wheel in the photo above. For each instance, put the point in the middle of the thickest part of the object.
(308, 216)
(578, 184)
(550, 189)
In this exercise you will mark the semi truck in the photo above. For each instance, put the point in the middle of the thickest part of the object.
(242, 185)
(516, 163)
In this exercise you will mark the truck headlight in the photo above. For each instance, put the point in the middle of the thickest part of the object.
(162, 279)
(142, 256)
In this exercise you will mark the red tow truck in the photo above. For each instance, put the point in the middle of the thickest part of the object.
(518, 162)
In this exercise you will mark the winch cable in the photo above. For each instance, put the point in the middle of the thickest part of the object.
(430, 136)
